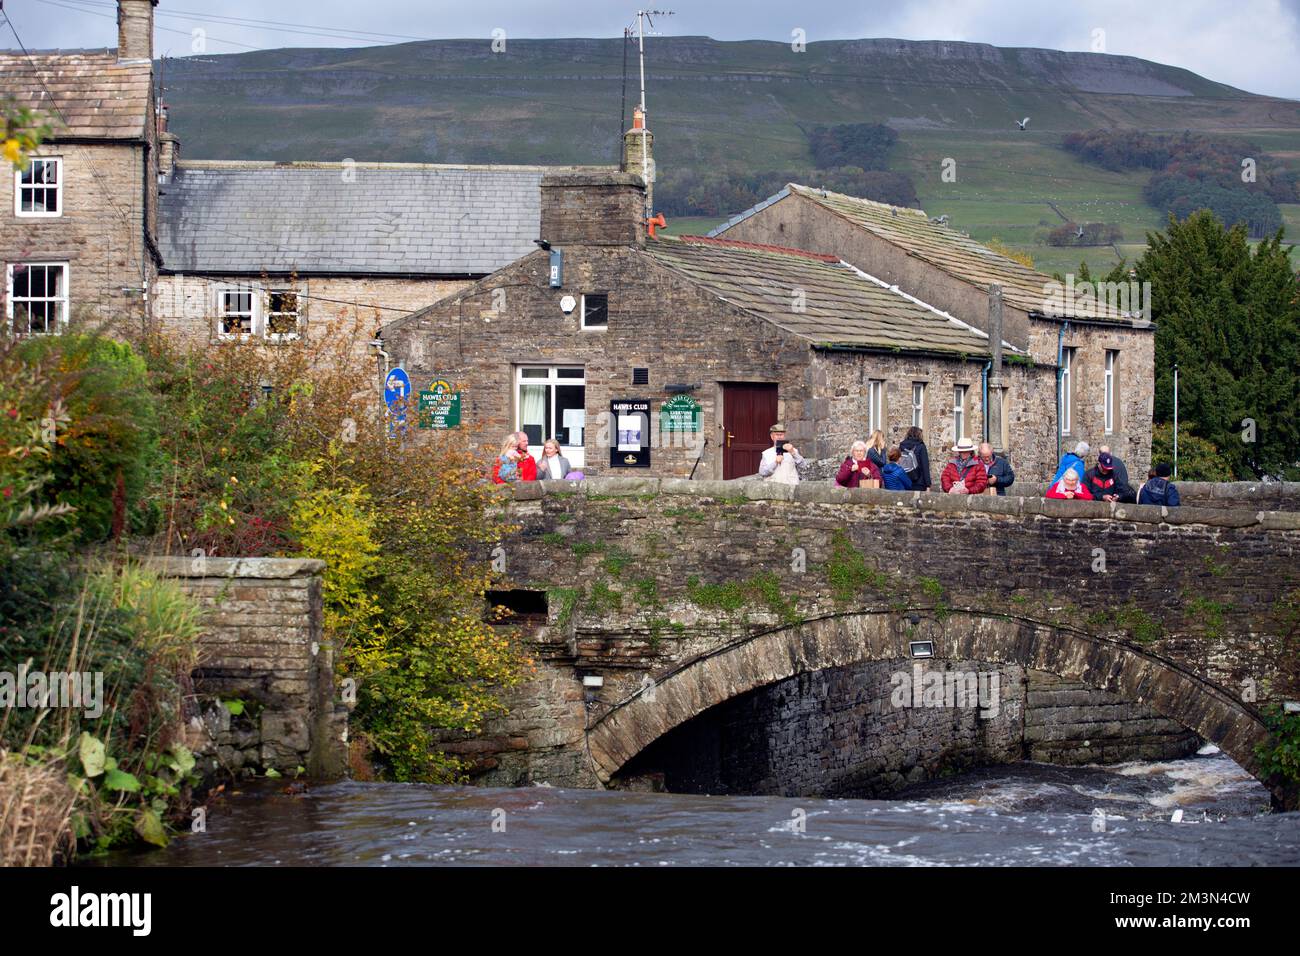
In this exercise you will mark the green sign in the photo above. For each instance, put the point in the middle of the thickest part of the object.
(681, 413)
(439, 406)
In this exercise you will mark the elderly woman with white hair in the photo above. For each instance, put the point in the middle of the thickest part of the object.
(1069, 487)
(858, 468)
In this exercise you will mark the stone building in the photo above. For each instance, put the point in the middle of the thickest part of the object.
(274, 252)
(110, 224)
(1100, 339)
(79, 225)
(837, 315)
(673, 355)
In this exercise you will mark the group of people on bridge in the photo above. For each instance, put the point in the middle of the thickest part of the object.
(972, 470)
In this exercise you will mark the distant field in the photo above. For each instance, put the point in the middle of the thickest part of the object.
(690, 226)
(1017, 186)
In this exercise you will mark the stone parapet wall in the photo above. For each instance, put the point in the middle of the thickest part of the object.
(1238, 495)
(262, 645)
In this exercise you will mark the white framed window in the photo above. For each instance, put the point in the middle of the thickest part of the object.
(551, 402)
(1067, 390)
(595, 311)
(36, 300)
(247, 312)
(1112, 385)
(876, 405)
(236, 312)
(959, 417)
(918, 404)
(38, 189)
(282, 315)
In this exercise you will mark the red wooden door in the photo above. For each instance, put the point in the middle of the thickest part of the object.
(748, 411)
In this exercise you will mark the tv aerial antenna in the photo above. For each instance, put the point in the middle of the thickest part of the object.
(642, 18)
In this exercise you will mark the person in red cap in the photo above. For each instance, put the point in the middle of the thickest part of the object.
(1104, 483)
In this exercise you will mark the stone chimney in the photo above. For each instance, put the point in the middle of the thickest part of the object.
(593, 208)
(169, 148)
(639, 157)
(135, 29)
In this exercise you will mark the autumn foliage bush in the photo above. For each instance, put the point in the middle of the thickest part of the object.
(286, 451)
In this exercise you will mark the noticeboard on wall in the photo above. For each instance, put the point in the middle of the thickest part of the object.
(629, 433)
(439, 406)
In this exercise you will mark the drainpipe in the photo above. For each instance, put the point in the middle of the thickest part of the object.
(1060, 358)
(984, 384)
(1060, 373)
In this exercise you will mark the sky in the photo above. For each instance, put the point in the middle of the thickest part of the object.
(1250, 44)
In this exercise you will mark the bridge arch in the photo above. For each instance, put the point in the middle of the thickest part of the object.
(706, 680)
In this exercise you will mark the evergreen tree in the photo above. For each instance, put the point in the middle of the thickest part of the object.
(1230, 320)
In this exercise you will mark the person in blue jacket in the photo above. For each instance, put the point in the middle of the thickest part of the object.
(1001, 475)
(1160, 490)
(1076, 459)
(893, 476)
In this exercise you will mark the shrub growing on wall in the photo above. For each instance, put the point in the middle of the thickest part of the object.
(283, 451)
(90, 411)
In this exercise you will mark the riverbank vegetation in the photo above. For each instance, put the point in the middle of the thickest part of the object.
(113, 447)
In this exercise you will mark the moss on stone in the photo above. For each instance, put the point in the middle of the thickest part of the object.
(848, 573)
(615, 563)
(566, 599)
(646, 592)
(583, 548)
(604, 599)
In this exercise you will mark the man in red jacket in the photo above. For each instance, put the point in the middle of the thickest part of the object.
(527, 463)
(965, 474)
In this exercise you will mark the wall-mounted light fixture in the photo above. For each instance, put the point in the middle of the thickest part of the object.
(922, 648)
(678, 388)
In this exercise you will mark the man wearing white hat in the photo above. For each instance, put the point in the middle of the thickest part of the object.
(965, 474)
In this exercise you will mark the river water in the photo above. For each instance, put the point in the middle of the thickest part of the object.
(1023, 814)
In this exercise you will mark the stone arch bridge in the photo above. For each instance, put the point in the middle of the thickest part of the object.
(784, 621)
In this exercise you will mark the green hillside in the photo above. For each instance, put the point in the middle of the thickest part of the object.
(735, 106)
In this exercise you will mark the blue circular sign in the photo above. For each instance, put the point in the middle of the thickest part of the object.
(397, 386)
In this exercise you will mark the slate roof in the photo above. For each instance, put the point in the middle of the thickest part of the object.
(843, 306)
(946, 249)
(370, 218)
(97, 97)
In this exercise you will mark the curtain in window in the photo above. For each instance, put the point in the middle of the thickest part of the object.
(532, 412)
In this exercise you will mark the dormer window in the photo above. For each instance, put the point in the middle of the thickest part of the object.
(38, 189)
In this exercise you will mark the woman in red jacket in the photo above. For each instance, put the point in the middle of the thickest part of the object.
(857, 467)
(1069, 487)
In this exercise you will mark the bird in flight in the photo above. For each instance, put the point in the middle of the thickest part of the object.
(1023, 123)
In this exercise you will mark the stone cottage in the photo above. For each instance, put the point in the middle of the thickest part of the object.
(673, 355)
(78, 227)
(1097, 340)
